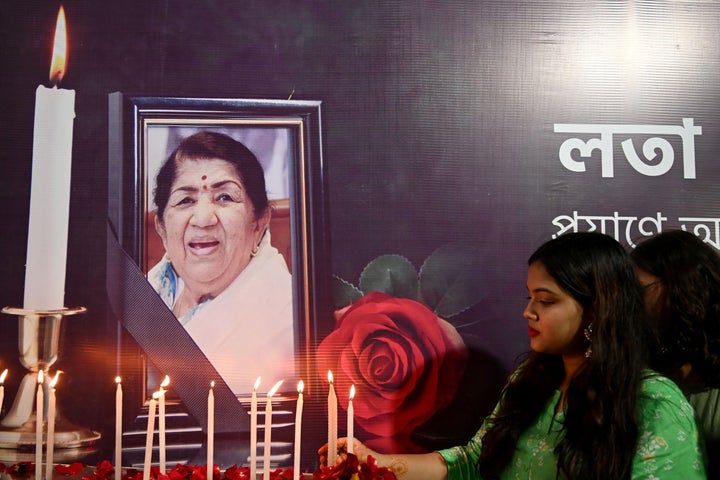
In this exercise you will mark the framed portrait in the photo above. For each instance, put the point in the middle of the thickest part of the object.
(216, 244)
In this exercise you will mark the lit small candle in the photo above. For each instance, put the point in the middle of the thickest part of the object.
(332, 422)
(210, 431)
(350, 421)
(50, 460)
(268, 430)
(39, 417)
(149, 436)
(298, 429)
(50, 189)
(2, 388)
(161, 423)
(253, 430)
(118, 428)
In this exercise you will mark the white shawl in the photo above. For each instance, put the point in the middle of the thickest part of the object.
(248, 329)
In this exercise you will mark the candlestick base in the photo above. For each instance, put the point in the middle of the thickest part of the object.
(67, 435)
(39, 335)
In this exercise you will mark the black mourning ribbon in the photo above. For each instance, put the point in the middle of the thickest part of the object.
(168, 345)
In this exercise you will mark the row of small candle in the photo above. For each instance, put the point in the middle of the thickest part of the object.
(159, 398)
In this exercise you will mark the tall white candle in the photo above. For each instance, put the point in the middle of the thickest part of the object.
(210, 432)
(332, 422)
(268, 431)
(39, 419)
(50, 454)
(298, 430)
(2, 388)
(161, 423)
(350, 421)
(50, 190)
(253, 430)
(149, 436)
(118, 428)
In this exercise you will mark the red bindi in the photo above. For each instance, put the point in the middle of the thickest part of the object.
(204, 177)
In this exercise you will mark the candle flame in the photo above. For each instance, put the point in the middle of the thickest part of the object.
(3, 376)
(117, 379)
(330, 377)
(257, 384)
(165, 382)
(275, 388)
(59, 56)
(352, 392)
(54, 381)
(212, 384)
(301, 386)
(157, 394)
(40, 377)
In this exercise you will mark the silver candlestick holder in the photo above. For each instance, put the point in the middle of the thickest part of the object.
(39, 342)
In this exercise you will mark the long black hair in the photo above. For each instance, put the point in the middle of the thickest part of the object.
(600, 429)
(687, 307)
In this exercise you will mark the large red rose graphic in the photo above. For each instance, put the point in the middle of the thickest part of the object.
(405, 362)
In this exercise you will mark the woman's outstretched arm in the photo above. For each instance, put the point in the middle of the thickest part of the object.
(421, 466)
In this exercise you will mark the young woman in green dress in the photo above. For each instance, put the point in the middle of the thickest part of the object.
(582, 404)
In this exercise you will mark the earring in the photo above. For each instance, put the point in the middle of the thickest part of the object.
(254, 251)
(588, 335)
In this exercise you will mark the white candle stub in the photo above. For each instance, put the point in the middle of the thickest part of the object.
(50, 454)
(39, 422)
(147, 463)
(118, 426)
(2, 388)
(350, 421)
(210, 432)
(253, 430)
(161, 423)
(332, 422)
(298, 431)
(268, 430)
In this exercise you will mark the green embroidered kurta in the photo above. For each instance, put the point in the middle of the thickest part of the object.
(668, 447)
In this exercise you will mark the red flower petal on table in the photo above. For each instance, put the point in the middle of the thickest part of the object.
(342, 471)
(237, 473)
(72, 469)
(198, 473)
(103, 469)
(21, 468)
(405, 362)
(132, 474)
(280, 474)
(181, 472)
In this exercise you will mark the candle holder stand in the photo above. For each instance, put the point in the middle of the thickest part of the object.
(38, 341)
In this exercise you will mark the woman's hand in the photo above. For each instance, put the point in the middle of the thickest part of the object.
(359, 450)
(421, 466)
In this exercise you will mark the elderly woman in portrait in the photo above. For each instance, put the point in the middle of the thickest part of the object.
(227, 285)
